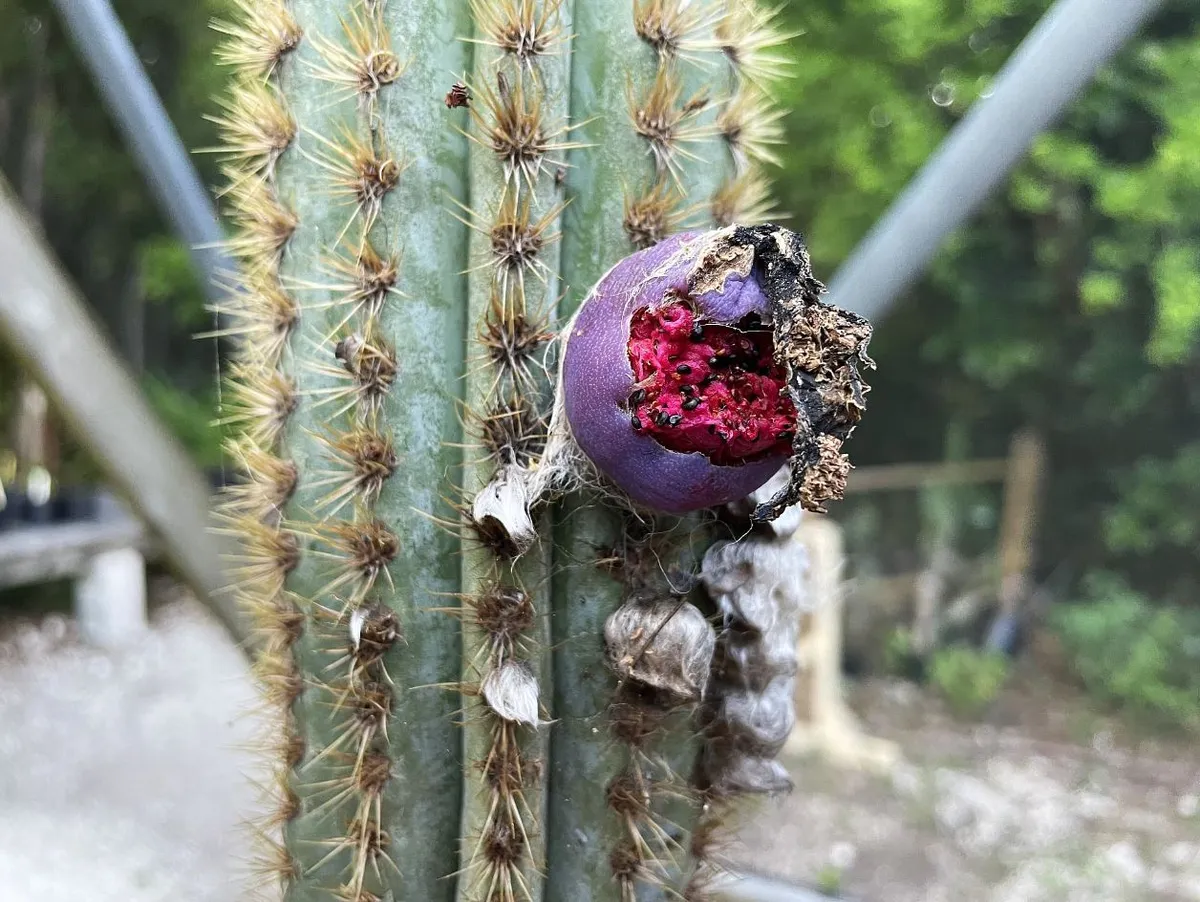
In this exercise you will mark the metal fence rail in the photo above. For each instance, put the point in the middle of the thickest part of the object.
(1053, 64)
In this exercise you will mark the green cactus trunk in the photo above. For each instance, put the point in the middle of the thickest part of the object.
(421, 191)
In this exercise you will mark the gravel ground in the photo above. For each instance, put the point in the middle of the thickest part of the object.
(125, 777)
(121, 776)
(1045, 802)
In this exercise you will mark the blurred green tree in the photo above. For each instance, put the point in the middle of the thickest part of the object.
(62, 153)
(1072, 303)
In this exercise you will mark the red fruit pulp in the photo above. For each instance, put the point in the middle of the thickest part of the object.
(700, 386)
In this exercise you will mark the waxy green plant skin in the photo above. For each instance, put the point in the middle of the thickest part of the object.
(421, 193)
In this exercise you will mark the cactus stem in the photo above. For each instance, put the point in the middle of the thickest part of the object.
(519, 136)
(348, 328)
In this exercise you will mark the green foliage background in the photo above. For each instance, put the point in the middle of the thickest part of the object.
(1071, 304)
(96, 211)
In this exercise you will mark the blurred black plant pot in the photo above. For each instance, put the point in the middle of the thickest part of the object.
(10, 510)
(71, 504)
(35, 514)
(74, 503)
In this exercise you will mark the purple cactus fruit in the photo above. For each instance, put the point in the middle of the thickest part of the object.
(670, 378)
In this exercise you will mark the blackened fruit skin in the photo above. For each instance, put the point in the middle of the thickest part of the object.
(598, 380)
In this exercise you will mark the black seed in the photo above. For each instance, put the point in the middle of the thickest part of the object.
(635, 422)
(713, 361)
(786, 436)
(691, 403)
(662, 418)
(687, 389)
(675, 420)
(638, 396)
(697, 331)
(683, 369)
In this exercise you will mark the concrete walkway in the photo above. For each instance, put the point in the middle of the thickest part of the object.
(121, 776)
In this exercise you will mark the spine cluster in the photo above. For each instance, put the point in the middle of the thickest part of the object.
(516, 101)
(260, 317)
(749, 119)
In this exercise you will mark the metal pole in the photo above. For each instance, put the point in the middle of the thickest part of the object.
(1052, 65)
(131, 99)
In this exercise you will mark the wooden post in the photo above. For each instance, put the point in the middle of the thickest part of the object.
(43, 320)
(824, 723)
(1018, 520)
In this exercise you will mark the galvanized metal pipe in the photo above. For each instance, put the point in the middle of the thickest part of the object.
(125, 87)
(1052, 65)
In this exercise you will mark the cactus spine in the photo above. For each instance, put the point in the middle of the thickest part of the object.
(404, 261)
